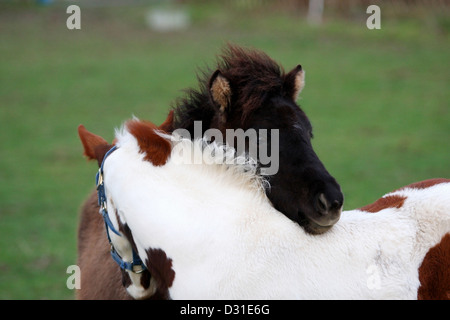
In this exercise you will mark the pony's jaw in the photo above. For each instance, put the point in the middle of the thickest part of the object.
(313, 227)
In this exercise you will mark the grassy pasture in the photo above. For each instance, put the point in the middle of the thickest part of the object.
(378, 101)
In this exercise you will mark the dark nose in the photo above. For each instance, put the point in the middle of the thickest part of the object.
(328, 209)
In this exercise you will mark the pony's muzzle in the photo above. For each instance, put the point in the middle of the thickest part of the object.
(329, 210)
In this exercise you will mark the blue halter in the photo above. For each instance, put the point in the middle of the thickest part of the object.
(136, 266)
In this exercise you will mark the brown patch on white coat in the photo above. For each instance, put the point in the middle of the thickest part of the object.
(156, 148)
(434, 273)
(160, 267)
(384, 203)
(396, 201)
(425, 184)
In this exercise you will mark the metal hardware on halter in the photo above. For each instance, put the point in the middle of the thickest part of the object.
(136, 266)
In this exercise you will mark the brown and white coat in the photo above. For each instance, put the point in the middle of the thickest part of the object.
(216, 236)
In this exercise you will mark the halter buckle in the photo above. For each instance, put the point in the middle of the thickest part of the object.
(99, 177)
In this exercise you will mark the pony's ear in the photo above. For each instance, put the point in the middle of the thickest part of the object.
(294, 82)
(220, 90)
(95, 147)
(167, 125)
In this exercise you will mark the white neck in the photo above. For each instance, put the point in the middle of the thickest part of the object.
(226, 240)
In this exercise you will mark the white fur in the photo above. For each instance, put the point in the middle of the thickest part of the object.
(226, 241)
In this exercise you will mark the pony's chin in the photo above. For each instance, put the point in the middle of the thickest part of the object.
(312, 227)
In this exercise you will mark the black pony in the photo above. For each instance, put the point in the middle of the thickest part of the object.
(251, 91)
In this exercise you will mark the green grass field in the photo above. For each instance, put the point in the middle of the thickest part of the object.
(378, 101)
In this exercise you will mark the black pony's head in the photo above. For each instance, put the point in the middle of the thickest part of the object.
(250, 91)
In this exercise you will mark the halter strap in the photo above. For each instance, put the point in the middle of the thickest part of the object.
(136, 266)
(102, 195)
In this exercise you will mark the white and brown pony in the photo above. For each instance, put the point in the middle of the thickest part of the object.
(208, 231)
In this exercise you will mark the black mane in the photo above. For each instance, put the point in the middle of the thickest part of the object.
(195, 106)
(252, 75)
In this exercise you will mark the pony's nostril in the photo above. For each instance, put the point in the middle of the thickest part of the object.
(322, 203)
(336, 205)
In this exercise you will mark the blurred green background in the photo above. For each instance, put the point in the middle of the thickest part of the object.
(377, 99)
